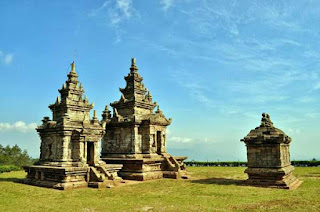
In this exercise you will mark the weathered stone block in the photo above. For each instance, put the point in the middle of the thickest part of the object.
(269, 157)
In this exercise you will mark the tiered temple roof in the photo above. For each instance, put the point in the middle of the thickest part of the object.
(71, 105)
(135, 104)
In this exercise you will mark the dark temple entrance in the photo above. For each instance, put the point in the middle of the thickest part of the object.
(159, 142)
(90, 152)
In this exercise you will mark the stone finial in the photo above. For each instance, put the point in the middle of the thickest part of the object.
(158, 109)
(106, 114)
(85, 99)
(95, 118)
(94, 114)
(58, 100)
(133, 67)
(73, 67)
(122, 98)
(266, 121)
(64, 86)
(72, 76)
(115, 112)
(45, 119)
(148, 96)
(81, 85)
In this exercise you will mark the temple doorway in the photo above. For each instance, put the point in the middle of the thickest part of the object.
(90, 153)
(159, 142)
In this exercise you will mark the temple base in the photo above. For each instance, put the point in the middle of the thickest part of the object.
(65, 178)
(272, 177)
(143, 169)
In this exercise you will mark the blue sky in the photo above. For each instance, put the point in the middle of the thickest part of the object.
(213, 66)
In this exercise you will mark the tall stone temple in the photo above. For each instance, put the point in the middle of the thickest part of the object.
(136, 135)
(70, 156)
(269, 157)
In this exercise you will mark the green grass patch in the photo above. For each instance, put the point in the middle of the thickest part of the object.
(209, 189)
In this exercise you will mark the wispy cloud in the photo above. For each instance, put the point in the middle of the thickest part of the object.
(294, 131)
(6, 58)
(18, 126)
(194, 85)
(115, 13)
(166, 4)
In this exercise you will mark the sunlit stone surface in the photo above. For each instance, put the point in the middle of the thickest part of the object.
(70, 156)
(136, 135)
(269, 157)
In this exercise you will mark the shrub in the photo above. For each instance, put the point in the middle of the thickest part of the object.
(9, 168)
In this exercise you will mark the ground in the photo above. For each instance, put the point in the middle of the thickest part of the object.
(209, 189)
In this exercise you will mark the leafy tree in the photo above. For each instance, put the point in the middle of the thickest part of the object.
(14, 156)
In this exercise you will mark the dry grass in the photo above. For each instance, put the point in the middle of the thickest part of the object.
(209, 189)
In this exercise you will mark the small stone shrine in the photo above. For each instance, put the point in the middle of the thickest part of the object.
(70, 156)
(269, 157)
(136, 135)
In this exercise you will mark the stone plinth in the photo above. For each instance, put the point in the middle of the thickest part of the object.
(62, 178)
(136, 134)
(269, 157)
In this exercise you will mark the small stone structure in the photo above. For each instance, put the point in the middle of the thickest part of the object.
(70, 156)
(269, 157)
(136, 135)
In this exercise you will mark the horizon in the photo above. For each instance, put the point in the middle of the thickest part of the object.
(213, 67)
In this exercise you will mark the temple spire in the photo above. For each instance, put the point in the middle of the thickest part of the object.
(73, 67)
(133, 67)
(72, 76)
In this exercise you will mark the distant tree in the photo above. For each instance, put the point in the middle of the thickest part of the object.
(14, 156)
(314, 159)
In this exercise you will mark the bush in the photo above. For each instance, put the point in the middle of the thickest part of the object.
(9, 168)
(306, 163)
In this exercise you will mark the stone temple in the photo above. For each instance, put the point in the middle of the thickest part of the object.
(269, 157)
(70, 155)
(136, 135)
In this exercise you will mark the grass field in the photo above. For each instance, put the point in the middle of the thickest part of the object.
(209, 189)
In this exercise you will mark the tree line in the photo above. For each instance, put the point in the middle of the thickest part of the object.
(13, 158)
(301, 163)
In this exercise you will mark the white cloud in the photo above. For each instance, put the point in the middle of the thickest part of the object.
(180, 139)
(6, 58)
(166, 4)
(18, 126)
(294, 131)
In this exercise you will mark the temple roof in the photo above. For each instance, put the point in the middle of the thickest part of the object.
(266, 133)
(71, 98)
(135, 102)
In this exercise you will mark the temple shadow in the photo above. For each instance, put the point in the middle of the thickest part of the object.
(14, 180)
(219, 181)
